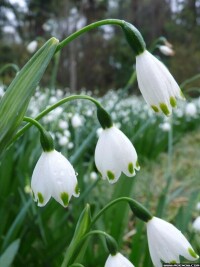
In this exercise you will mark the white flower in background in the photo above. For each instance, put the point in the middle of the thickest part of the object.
(198, 206)
(63, 141)
(70, 145)
(165, 126)
(167, 243)
(32, 46)
(118, 260)
(196, 224)
(52, 100)
(77, 120)
(1, 91)
(191, 110)
(93, 175)
(166, 50)
(99, 131)
(63, 124)
(54, 176)
(114, 154)
(157, 85)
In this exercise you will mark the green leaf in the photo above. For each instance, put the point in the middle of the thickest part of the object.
(8, 256)
(14, 103)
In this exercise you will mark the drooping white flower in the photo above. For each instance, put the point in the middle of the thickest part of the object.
(93, 175)
(54, 176)
(196, 224)
(156, 84)
(166, 50)
(167, 243)
(63, 140)
(118, 260)
(191, 110)
(32, 46)
(114, 154)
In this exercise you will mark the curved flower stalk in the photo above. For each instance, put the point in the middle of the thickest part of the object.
(156, 84)
(114, 154)
(54, 176)
(118, 260)
(167, 243)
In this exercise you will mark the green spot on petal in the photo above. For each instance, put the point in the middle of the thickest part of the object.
(131, 168)
(173, 262)
(65, 198)
(192, 253)
(77, 189)
(173, 101)
(110, 175)
(155, 108)
(137, 164)
(164, 109)
(40, 198)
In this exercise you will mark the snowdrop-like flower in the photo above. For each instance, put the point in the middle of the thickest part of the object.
(191, 110)
(54, 176)
(32, 46)
(166, 50)
(93, 175)
(118, 260)
(196, 224)
(157, 85)
(63, 140)
(114, 154)
(167, 243)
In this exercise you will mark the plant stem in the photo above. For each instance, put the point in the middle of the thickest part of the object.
(88, 28)
(35, 123)
(126, 199)
(49, 109)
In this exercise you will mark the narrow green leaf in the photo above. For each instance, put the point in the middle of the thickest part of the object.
(8, 256)
(14, 103)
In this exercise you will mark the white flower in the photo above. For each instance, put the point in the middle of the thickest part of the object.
(118, 260)
(32, 46)
(167, 243)
(190, 110)
(196, 224)
(166, 50)
(63, 124)
(93, 175)
(198, 206)
(77, 121)
(157, 85)
(99, 131)
(165, 126)
(70, 145)
(54, 176)
(114, 154)
(63, 140)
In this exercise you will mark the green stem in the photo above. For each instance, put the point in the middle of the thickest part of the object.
(126, 199)
(69, 259)
(9, 65)
(35, 123)
(88, 28)
(49, 109)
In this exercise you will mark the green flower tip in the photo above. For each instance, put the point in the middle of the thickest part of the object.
(155, 108)
(173, 101)
(40, 198)
(182, 95)
(173, 262)
(192, 253)
(164, 109)
(110, 175)
(65, 198)
(137, 164)
(131, 168)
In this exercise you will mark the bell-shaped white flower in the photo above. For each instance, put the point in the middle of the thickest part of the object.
(118, 260)
(166, 50)
(167, 243)
(114, 154)
(156, 84)
(196, 224)
(32, 46)
(54, 176)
